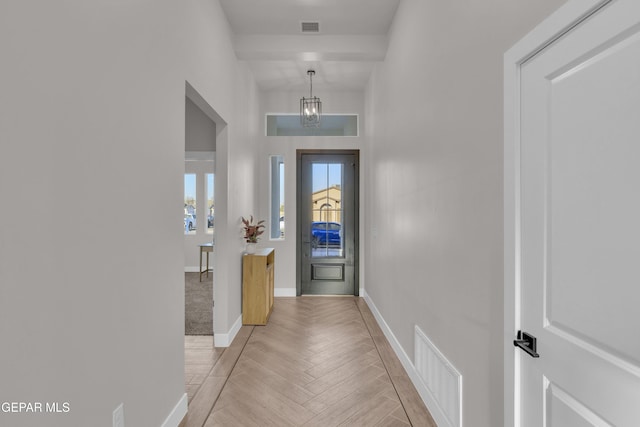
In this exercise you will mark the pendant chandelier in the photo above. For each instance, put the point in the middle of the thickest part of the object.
(310, 108)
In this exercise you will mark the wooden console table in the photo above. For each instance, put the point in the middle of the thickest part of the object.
(257, 286)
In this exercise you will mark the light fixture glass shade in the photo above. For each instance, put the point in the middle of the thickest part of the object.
(310, 111)
(311, 107)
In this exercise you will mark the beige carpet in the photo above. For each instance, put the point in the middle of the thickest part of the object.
(198, 304)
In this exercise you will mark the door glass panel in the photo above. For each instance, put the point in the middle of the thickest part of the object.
(326, 227)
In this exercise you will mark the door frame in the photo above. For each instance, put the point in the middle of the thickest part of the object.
(551, 29)
(356, 195)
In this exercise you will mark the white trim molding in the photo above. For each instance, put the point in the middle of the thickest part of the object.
(552, 28)
(284, 292)
(177, 414)
(208, 156)
(429, 400)
(225, 340)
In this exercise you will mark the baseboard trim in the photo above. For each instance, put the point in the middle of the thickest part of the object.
(225, 340)
(177, 414)
(429, 400)
(195, 269)
(284, 292)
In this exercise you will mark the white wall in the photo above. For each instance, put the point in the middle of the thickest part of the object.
(434, 203)
(92, 125)
(287, 103)
(200, 130)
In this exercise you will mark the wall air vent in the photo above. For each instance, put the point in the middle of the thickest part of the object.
(310, 27)
(441, 378)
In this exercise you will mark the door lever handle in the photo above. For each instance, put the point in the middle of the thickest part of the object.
(527, 342)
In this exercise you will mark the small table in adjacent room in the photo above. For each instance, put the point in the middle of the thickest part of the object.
(205, 248)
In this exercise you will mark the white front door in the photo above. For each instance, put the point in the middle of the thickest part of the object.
(578, 225)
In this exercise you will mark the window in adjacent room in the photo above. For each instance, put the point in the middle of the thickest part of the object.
(209, 179)
(190, 218)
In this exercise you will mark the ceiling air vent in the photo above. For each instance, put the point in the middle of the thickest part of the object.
(310, 27)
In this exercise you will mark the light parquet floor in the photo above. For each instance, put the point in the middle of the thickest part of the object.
(320, 361)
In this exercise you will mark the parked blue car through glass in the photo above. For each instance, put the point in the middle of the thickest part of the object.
(324, 234)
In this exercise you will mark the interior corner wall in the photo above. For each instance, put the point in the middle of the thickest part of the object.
(433, 227)
(200, 130)
(92, 124)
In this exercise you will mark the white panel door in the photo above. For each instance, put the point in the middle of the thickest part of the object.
(580, 224)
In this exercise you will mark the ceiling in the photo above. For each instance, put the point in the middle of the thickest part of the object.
(352, 37)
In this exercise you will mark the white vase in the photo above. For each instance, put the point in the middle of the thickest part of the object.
(251, 248)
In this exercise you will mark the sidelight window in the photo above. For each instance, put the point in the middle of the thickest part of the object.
(277, 197)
